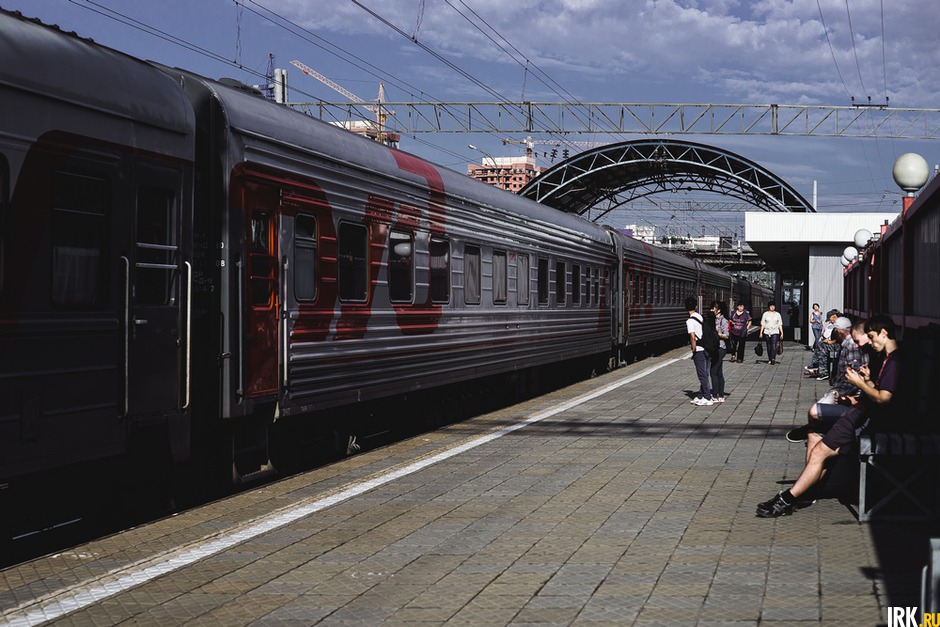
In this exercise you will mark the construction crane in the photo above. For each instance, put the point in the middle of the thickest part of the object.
(380, 112)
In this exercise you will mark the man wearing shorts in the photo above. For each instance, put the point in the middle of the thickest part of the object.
(842, 438)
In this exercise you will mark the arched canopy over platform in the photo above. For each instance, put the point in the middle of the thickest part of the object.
(609, 176)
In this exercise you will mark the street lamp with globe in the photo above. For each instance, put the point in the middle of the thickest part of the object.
(910, 173)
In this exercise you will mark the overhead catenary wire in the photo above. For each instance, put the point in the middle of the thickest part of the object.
(336, 51)
(378, 72)
(858, 66)
(121, 18)
(341, 53)
(547, 81)
(832, 51)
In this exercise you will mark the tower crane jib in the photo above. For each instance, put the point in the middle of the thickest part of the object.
(380, 112)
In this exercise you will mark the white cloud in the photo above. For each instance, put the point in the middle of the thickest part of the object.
(770, 50)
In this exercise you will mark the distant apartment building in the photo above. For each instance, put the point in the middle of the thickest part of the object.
(509, 173)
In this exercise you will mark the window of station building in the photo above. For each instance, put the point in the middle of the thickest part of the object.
(543, 281)
(305, 257)
(500, 277)
(522, 279)
(80, 235)
(157, 261)
(353, 262)
(439, 250)
(471, 274)
(401, 282)
(561, 283)
(575, 284)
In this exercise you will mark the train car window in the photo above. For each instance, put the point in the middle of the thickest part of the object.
(305, 257)
(596, 288)
(262, 265)
(440, 270)
(522, 279)
(500, 277)
(471, 274)
(401, 279)
(575, 284)
(157, 261)
(606, 287)
(543, 281)
(353, 262)
(561, 283)
(80, 234)
(588, 287)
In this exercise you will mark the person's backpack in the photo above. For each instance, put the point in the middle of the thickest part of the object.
(709, 341)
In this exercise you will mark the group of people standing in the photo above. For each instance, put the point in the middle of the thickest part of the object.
(729, 337)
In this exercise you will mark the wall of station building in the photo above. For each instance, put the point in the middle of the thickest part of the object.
(824, 279)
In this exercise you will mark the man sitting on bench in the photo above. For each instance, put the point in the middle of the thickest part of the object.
(853, 354)
(874, 403)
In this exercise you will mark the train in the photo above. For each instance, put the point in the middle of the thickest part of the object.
(898, 272)
(184, 265)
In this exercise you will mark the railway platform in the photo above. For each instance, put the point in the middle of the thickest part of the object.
(614, 501)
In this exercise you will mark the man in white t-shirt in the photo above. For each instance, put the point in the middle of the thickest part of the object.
(699, 357)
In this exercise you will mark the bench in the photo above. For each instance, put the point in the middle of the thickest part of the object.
(899, 473)
(899, 470)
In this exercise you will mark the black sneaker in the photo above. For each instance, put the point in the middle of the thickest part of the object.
(798, 434)
(774, 507)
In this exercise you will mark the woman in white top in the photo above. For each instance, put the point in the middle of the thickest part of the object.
(771, 330)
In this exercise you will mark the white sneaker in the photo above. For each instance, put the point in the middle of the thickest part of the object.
(704, 401)
(695, 400)
(719, 399)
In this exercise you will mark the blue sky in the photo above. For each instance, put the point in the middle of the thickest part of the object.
(680, 51)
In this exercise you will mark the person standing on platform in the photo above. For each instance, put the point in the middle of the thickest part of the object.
(719, 309)
(771, 331)
(816, 323)
(740, 325)
(694, 325)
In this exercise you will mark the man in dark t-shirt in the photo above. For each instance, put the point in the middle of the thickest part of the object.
(876, 398)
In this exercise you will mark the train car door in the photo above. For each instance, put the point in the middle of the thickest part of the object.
(262, 325)
(154, 271)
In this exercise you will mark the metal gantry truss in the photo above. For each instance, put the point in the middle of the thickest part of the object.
(872, 121)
